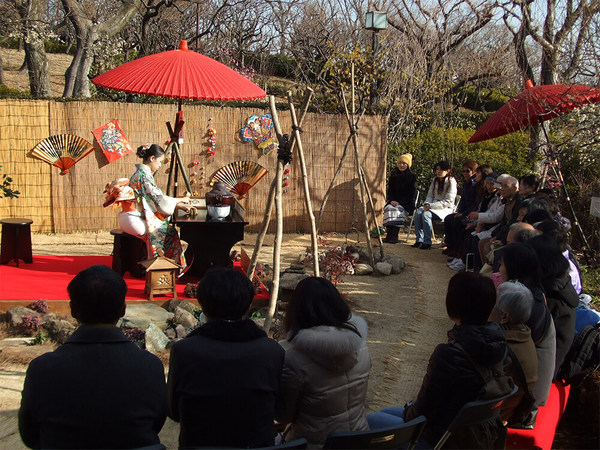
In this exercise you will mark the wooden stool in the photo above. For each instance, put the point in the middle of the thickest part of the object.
(128, 250)
(16, 240)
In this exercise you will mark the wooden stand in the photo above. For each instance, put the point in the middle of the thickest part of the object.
(128, 251)
(16, 241)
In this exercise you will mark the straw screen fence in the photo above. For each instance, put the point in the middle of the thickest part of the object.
(73, 202)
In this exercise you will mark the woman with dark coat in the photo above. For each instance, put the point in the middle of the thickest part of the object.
(560, 294)
(402, 191)
(452, 379)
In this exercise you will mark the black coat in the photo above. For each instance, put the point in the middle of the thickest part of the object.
(452, 380)
(223, 381)
(562, 301)
(98, 390)
(402, 188)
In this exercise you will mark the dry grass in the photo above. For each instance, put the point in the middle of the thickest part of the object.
(12, 60)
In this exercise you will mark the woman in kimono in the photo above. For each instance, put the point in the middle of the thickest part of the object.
(150, 220)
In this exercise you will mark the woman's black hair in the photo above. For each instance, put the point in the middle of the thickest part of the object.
(470, 298)
(552, 262)
(145, 152)
(315, 302)
(537, 210)
(531, 180)
(553, 228)
(444, 165)
(480, 191)
(521, 263)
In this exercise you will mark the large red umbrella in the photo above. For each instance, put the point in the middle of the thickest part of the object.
(533, 106)
(180, 74)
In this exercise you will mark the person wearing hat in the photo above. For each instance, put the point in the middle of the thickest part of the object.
(401, 193)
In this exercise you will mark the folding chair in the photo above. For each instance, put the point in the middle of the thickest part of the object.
(441, 222)
(390, 437)
(412, 216)
(473, 413)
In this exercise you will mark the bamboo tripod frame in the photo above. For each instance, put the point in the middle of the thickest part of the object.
(275, 197)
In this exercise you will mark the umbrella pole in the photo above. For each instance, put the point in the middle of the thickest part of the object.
(554, 161)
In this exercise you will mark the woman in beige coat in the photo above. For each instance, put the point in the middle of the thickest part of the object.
(327, 365)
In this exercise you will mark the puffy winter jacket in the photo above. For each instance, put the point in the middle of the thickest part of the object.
(324, 382)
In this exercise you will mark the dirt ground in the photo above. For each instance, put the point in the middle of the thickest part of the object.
(405, 313)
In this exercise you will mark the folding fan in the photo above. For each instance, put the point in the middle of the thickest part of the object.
(62, 150)
(239, 176)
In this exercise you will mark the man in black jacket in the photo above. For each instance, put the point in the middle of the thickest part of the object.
(224, 376)
(98, 390)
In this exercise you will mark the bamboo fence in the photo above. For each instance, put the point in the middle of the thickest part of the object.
(73, 202)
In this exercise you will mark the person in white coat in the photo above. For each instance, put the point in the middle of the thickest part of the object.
(327, 365)
(439, 203)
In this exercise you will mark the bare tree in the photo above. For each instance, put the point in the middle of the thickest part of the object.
(93, 21)
(32, 13)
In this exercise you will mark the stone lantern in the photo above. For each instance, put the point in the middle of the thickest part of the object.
(160, 276)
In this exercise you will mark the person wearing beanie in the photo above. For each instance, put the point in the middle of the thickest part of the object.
(401, 194)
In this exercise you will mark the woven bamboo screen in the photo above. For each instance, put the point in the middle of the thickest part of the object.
(73, 202)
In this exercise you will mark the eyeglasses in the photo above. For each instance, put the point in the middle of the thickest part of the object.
(467, 171)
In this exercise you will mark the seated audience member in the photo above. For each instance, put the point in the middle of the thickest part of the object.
(401, 194)
(452, 379)
(560, 294)
(519, 262)
(438, 204)
(482, 222)
(224, 376)
(549, 196)
(529, 210)
(512, 310)
(512, 202)
(455, 223)
(520, 232)
(528, 185)
(98, 390)
(327, 364)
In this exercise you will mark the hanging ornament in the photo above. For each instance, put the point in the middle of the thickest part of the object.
(211, 137)
(286, 182)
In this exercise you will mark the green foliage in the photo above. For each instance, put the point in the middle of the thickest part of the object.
(484, 99)
(39, 338)
(6, 92)
(281, 66)
(590, 279)
(57, 47)
(256, 315)
(276, 89)
(506, 154)
(7, 191)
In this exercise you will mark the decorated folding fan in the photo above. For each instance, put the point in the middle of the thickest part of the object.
(112, 140)
(62, 151)
(259, 129)
(239, 176)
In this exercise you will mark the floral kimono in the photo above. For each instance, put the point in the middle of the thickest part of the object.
(156, 208)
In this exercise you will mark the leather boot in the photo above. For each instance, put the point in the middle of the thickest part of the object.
(391, 235)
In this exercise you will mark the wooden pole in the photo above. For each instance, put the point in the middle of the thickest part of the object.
(307, 202)
(271, 197)
(279, 220)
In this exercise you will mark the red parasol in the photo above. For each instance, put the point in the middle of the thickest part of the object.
(180, 73)
(535, 105)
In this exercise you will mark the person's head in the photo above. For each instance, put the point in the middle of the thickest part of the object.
(470, 298)
(528, 184)
(552, 262)
(482, 172)
(404, 162)
(513, 305)
(536, 215)
(442, 169)
(491, 185)
(519, 262)
(97, 296)
(508, 185)
(315, 302)
(553, 228)
(152, 155)
(520, 232)
(468, 169)
(225, 294)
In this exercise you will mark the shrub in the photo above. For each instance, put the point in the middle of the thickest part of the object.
(29, 324)
(39, 338)
(40, 306)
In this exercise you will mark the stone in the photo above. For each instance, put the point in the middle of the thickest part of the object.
(363, 269)
(171, 334)
(58, 330)
(289, 281)
(180, 331)
(398, 264)
(16, 314)
(354, 256)
(185, 318)
(364, 254)
(184, 304)
(141, 316)
(156, 340)
(384, 268)
(297, 268)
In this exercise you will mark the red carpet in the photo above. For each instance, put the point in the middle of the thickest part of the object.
(48, 276)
